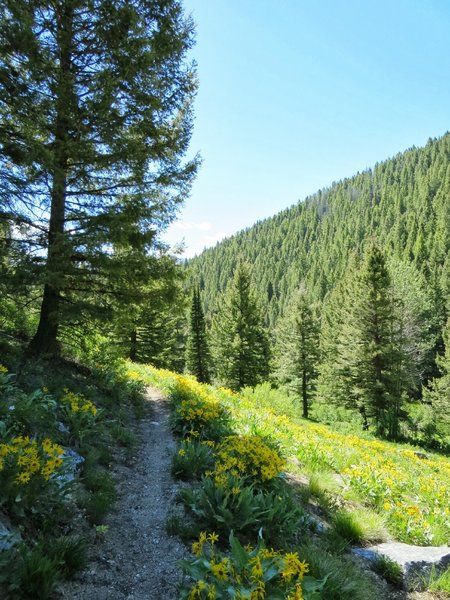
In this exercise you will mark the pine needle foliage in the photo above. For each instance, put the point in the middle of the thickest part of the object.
(241, 341)
(298, 348)
(96, 116)
(198, 357)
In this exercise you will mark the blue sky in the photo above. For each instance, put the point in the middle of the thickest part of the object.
(296, 94)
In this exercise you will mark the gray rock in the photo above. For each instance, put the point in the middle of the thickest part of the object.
(62, 428)
(71, 461)
(416, 562)
(8, 535)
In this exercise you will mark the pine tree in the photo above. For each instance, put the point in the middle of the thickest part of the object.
(153, 330)
(368, 356)
(197, 348)
(95, 117)
(439, 391)
(241, 342)
(298, 348)
(377, 374)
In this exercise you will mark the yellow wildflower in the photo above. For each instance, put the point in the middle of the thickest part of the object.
(220, 570)
(213, 537)
(212, 592)
(257, 570)
(23, 478)
(298, 593)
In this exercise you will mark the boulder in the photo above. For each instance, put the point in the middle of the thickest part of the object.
(416, 562)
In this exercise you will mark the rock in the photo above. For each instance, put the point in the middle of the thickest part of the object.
(8, 535)
(416, 562)
(317, 524)
(62, 428)
(71, 461)
(72, 458)
(420, 454)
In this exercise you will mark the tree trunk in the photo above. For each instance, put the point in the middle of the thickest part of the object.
(305, 394)
(45, 340)
(133, 345)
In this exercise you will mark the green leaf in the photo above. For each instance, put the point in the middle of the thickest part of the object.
(312, 587)
(240, 555)
(270, 572)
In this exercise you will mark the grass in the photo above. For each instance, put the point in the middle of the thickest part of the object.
(346, 525)
(185, 529)
(70, 552)
(345, 580)
(99, 495)
(439, 582)
(389, 570)
(409, 490)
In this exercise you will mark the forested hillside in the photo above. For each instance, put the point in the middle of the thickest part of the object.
(402, 203)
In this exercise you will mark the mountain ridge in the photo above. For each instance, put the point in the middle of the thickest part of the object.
(403, 202)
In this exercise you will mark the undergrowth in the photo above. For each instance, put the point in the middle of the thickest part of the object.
(60, 427)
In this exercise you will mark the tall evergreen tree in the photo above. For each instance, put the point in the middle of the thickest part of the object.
(439, 391)
(197, 349)
(95, 116)
(152, 329)
(298, 348)
(367, 357)
(241, 342)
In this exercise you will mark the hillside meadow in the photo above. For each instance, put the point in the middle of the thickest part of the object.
(408, 488)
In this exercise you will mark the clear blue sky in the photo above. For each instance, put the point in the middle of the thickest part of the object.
(296, 94)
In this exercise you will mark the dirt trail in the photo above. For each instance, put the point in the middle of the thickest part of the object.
(137, 559)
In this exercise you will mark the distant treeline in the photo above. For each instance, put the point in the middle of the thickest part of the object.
(403, 204)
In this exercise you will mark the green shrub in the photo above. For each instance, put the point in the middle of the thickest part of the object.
(26, 413)
(341, 419)
(28, 573)
(246, 572)
(192, 460)
(276, 399)
(245, 510)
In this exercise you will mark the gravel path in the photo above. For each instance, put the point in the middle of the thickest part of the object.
(137, 559)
